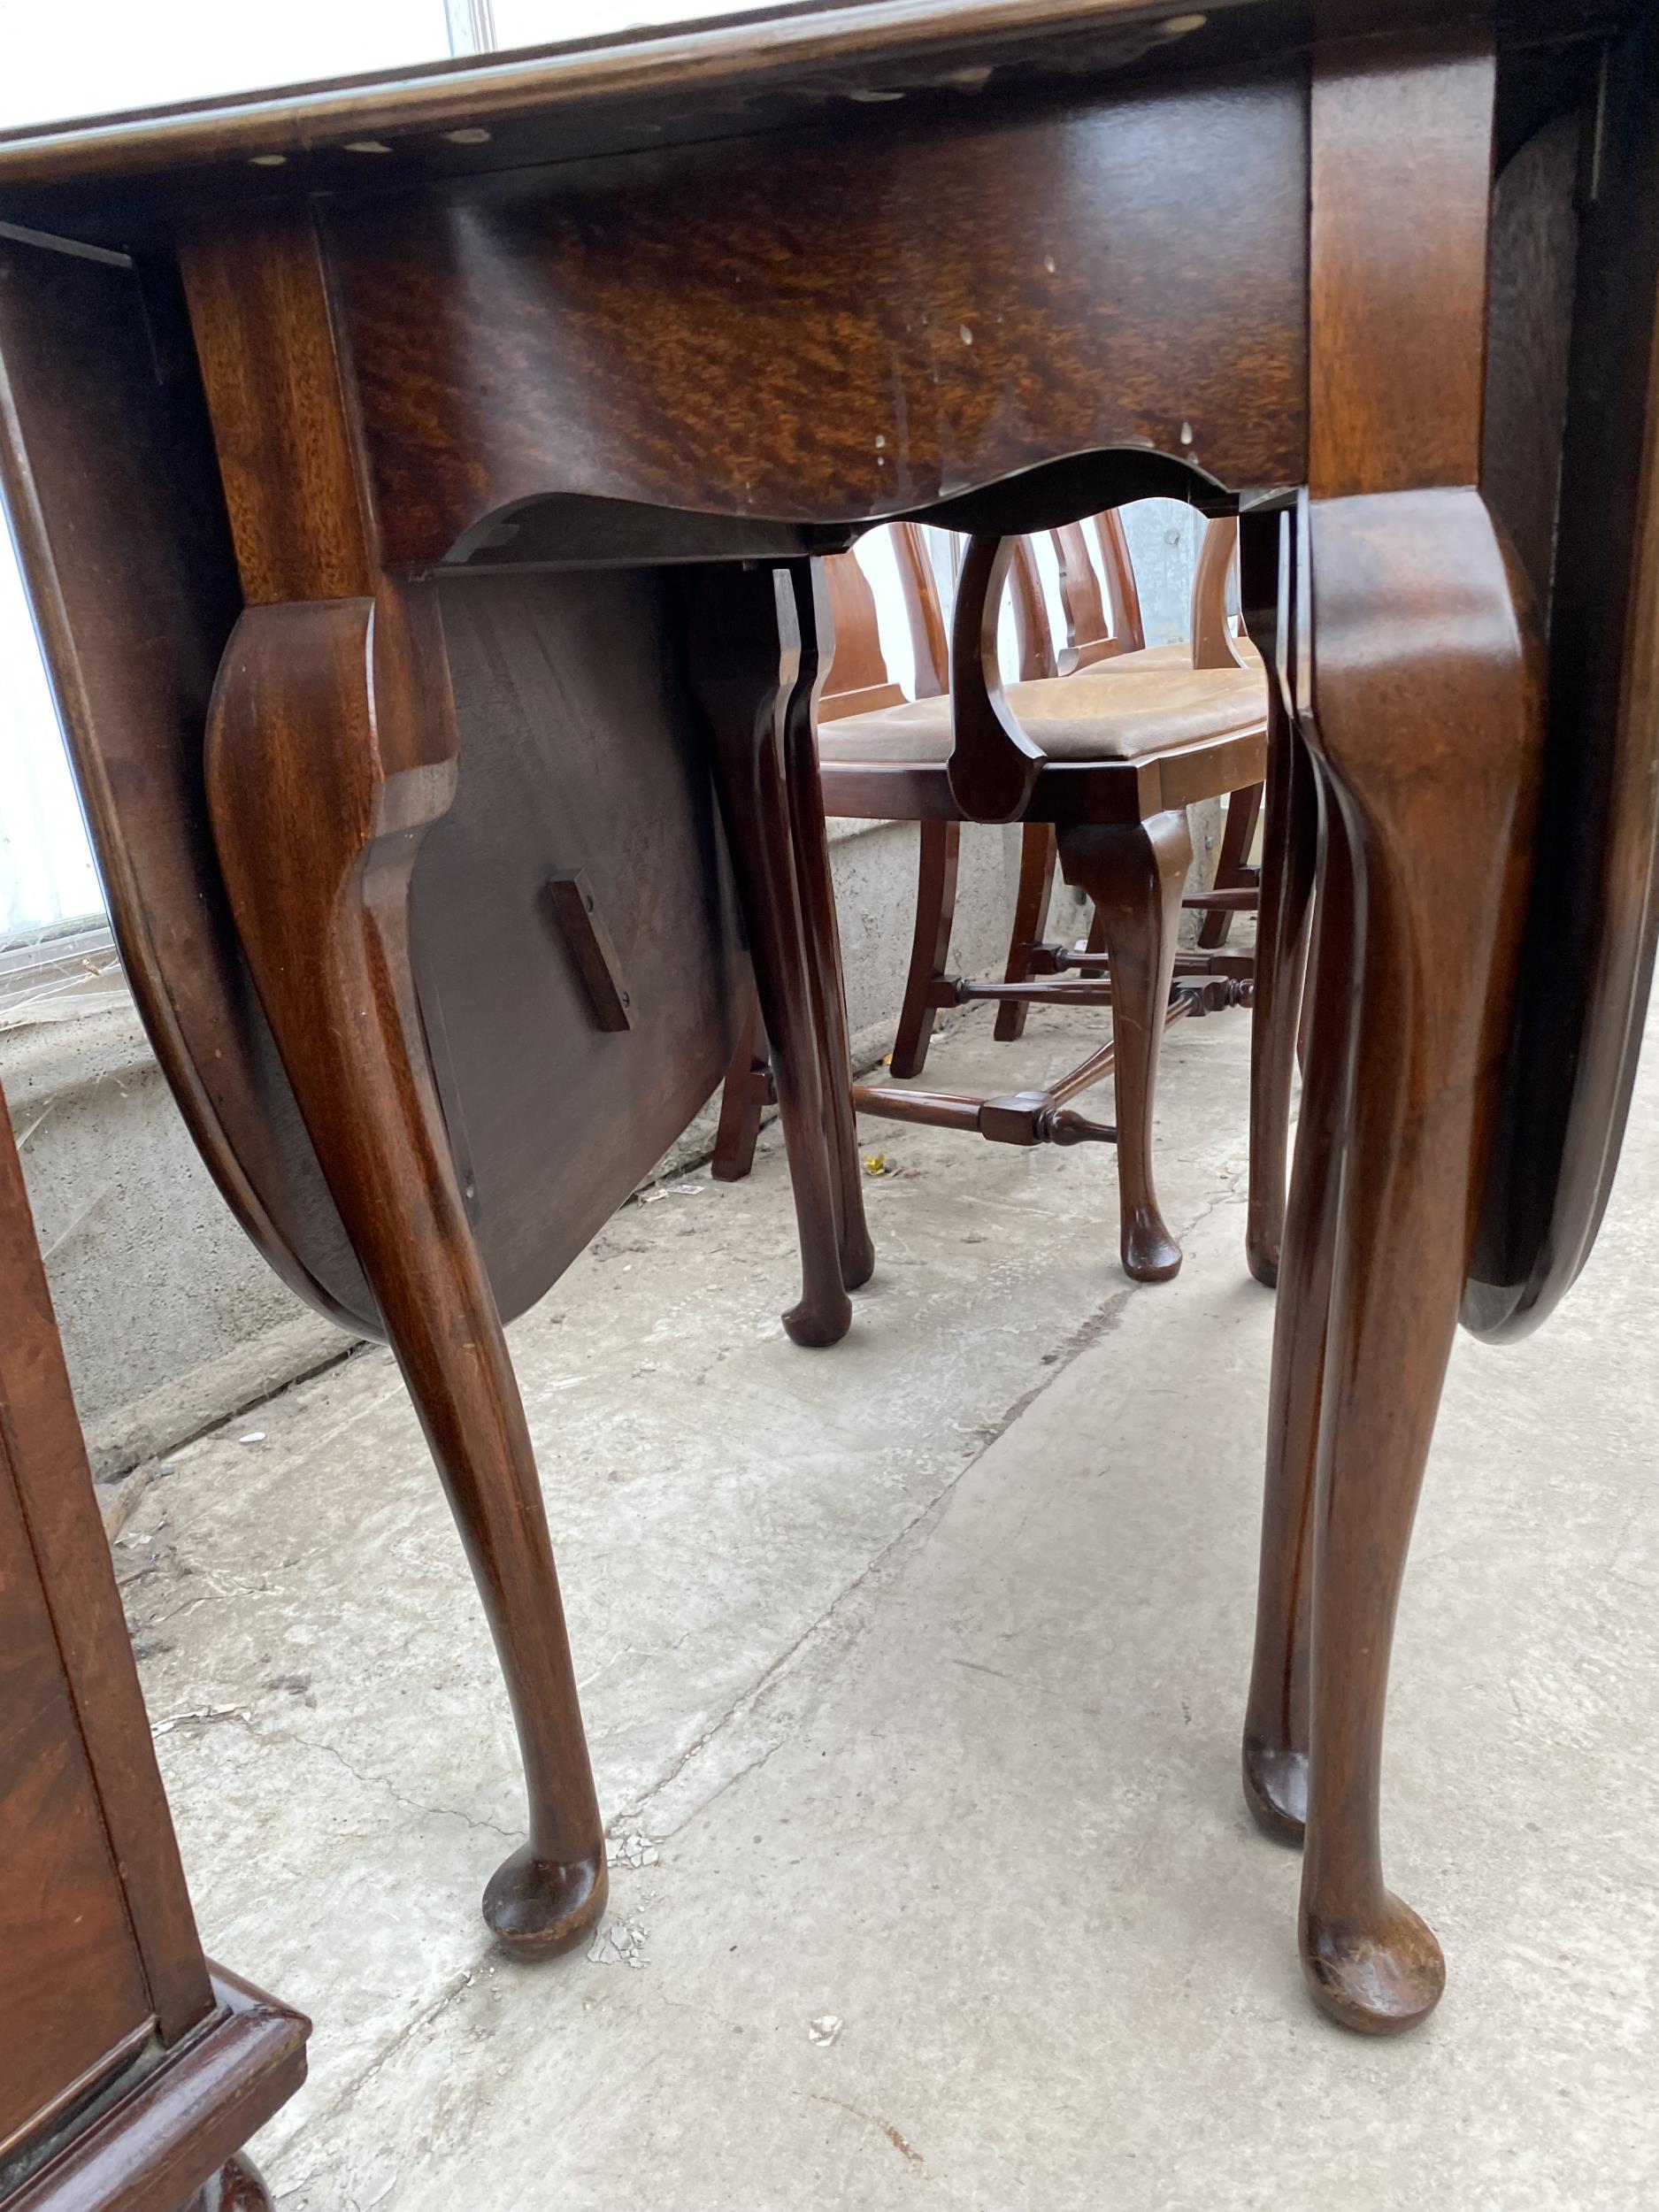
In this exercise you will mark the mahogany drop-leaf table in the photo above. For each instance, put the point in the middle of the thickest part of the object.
(418, 480)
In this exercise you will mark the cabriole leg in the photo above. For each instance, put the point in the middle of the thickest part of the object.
(1135, 874)
(1425, 713)
(751, 658)
(817, 884)
(331, 749)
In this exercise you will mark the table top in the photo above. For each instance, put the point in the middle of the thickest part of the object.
(733, 75)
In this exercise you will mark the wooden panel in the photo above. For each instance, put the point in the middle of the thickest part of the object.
(71, 1985)
(579, 751)
(1529, 335)
(97, 1945)
(905, 314)
(41, 1441)
(126, 2076)
(1596, 902)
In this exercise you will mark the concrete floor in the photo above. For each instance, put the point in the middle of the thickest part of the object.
(919, 1664)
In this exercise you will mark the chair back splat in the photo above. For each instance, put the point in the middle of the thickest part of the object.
(1123, 594)
(858, 682)
(1214, 643)
(1096, 629)
(1033, 641)
(929, 630)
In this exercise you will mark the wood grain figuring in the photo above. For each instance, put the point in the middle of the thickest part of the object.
(906, 315)
(281, 415)
(1401, 158)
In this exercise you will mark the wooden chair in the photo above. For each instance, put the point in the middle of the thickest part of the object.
(1121, 745)
(1089, 642)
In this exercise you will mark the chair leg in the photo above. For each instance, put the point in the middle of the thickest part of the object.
(930, 943)
(1232, 862)
(750, 656)
(742, 1100)
(811, 846)
(1422, 632)
(1031, 914)
(330, 751)
(1135, 873)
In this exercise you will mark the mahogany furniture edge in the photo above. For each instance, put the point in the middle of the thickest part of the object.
(153, 2147)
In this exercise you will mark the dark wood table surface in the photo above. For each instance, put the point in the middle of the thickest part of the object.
(417, 481)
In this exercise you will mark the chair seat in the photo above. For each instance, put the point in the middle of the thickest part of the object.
(1126, 709)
